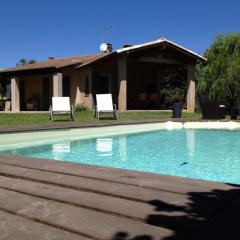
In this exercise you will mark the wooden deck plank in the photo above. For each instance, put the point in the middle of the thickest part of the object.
(143, 179)
(14, 227)
(207, 203)
(144, 212)
(150, 180)
(107, 203)
(76, 219)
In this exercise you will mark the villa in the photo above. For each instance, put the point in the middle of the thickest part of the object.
(131, 74)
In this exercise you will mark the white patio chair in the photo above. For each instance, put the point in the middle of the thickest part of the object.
(61, 106)
(105, 105)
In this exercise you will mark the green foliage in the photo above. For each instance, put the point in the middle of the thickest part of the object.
(81, 108)
(220, 77)
(173, 84)
(24, 61)
(2, 104)
(177, 98)
(31, 61)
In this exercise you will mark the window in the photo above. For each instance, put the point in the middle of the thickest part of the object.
(86, 86)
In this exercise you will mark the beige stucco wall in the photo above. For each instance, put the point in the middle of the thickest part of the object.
(86, 99)
(78, 78)
(33, 86)
(74, 84)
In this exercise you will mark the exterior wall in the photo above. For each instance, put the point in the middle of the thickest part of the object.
(77, 88)
(33, 87)
(85, 99)
(74, 85)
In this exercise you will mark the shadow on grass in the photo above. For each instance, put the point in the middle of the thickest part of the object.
(195, 217)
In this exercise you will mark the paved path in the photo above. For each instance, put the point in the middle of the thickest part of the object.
(42, 199)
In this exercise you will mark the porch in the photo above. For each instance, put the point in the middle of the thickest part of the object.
(34, 92)
(147, 79)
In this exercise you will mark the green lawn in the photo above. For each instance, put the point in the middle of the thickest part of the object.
(20, 119)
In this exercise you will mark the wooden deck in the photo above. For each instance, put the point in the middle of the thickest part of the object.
(42, 199)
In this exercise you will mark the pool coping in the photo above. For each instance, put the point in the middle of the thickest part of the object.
(44, 127)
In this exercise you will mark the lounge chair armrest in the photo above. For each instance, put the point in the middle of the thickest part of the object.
(95, 111)
(50, 113)
(72, 111)
(115, 111)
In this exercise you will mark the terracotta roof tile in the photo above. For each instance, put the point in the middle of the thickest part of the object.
(57, 63)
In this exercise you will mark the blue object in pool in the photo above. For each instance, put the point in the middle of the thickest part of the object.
(200, 154)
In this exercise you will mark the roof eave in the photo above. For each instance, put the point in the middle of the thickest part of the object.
(158, 42)
(98, 59)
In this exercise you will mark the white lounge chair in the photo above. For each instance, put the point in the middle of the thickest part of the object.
(61, 106)
(105, 105)
(104, 146)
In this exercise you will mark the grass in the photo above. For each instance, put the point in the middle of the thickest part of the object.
(24, 119)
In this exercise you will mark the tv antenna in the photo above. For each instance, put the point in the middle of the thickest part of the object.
(106, 30)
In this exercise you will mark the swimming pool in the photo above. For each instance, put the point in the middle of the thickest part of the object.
(194, 153)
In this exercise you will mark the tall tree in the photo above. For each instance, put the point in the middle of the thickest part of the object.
(219, 78)
(24, 61)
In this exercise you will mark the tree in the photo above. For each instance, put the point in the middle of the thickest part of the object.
(173, 82)
(24, 61)
(219, 78)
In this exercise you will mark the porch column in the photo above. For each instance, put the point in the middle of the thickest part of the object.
(57, 85)
(122, 78)
(191, 88)
(15, 95)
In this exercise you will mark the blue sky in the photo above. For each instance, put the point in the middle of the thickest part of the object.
(59, 28)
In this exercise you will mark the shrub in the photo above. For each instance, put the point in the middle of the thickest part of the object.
(2, 104)
(81, 108)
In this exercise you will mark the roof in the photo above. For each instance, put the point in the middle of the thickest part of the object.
(57, 63)
(81, 61)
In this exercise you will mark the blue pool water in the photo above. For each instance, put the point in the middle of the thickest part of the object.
(200, 154)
